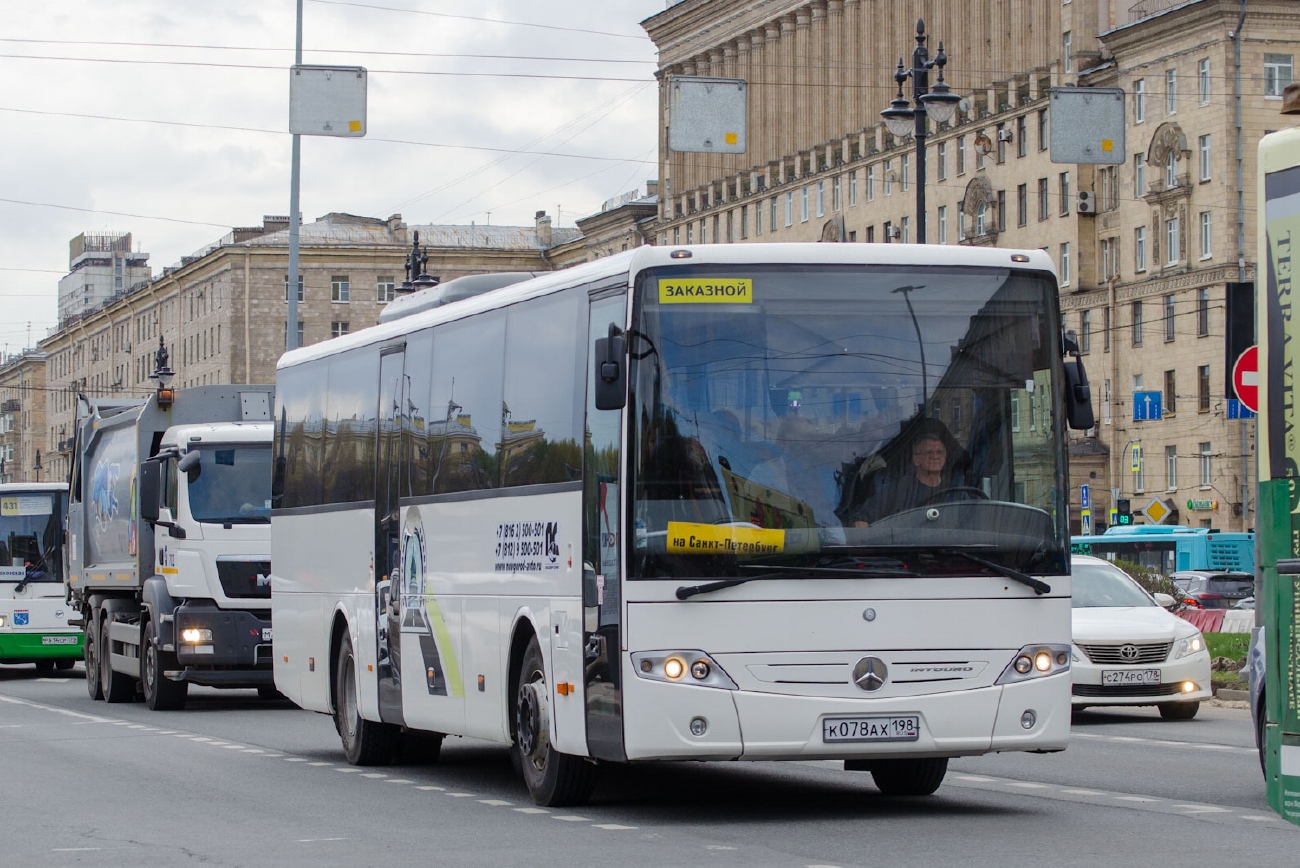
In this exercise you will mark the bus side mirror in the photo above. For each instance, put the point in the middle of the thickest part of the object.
(609, 377)
(1078, 394)
(150, 477)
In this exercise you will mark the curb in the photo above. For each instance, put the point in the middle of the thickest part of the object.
(1232, 695)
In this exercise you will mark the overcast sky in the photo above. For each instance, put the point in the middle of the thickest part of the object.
(168, 119)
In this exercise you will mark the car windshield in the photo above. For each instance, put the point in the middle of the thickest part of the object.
(800, 415)
(232, 485)
(1101, 586)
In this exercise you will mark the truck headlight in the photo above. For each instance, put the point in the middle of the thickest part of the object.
(196, 636)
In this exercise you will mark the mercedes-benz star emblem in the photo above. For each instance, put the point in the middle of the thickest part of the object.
(1128, 652)
(870, 673)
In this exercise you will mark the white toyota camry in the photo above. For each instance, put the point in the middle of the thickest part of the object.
(1129, 650)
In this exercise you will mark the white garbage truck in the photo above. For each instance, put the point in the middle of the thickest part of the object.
(169, 542)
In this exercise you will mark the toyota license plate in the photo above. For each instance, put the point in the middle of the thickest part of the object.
(871, 728)
(1124, 677)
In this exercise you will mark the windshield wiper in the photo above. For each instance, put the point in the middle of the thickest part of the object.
(1040, 587)
(687, 591)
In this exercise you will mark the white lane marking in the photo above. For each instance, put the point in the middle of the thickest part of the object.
(253, 750)
(615, 827)
(53, 680)
(1029, 785)
(294, 759)
(345, 770)
(90, 718)
(1084, 792)
(233, 746)
(532, 810)
(75, 849)
(320, 764)
(1160, 742)
(316, 840)
(434, 789)
(1258, 818)
(399, 781)
(374, 775)
(572, 818)
(461, 795)
(972, 778)
(496, 803)
(1143, 799)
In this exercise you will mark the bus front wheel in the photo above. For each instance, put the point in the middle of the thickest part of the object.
(365, 742)
(909, 777)
(553, 778)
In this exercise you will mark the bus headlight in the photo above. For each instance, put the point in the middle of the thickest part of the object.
(681, 667)
(1190, 645)
(1036, 661)
(196, 636)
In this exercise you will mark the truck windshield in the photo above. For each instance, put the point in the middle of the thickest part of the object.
(831, 416)
(31, 536)
(232, 485)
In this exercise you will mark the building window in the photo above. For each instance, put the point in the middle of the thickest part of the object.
(853, 188)
(300, 342)
(1203, 388)
(1139, 101)
(1171, 392)
(1140, 249)
(1015, 412)
(871, 183)
(1206, 239)
(1109, 258)
(1108, 184)
(1171, 91)
(1137, 323)
(1171, 241)
(1278, 72)
(1139, 176)
(1171, 468)
(961, 224)
(677, 235)
(1105, 329)
(1002, 143)
(1203, 149)
(889, 177)
(1203, 81)
(1042, 199)
(941, 161)
(385, 289)
(1042, 130)
(340, 289)
(1204, 456)
(835, 193)
(889, 232)
(758, 219)
(1002, 210)
(871, 234)
(1202, 312)
(1064, 184)
(789, 208)
(1085, 331)
(338, 329)
(286, 289)
(773, 215)
(1067, 41)
(1022, 204)
(905, 230)
(943, 224)
(961, 155)
(821, 198)
(803, 204)
(690, 233)
(1022, 128)
(1169, 318)
(905, 170)
(1171, 170)
(1065, 263)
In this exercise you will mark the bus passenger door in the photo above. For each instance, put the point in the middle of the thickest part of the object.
(602, 598)
(389, 471)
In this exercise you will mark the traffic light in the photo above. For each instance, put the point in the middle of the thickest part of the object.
(1123, 513)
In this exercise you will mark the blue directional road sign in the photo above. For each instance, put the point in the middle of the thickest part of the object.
(1238, 410)
(1085, 500)
(1146, 406)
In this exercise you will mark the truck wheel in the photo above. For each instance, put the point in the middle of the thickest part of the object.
(365, 742)
(553, 778)
(117, 687)
(909, 777)
(90, 654)
(160, 692)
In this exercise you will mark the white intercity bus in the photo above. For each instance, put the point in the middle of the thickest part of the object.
(723, 502)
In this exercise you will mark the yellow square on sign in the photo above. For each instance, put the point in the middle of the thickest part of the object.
(1108, 145)
(354, 126)
(731, 138)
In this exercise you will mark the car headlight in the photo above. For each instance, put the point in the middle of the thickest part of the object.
(1191, 645)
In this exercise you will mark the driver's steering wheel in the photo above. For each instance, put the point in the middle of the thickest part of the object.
(968, 490)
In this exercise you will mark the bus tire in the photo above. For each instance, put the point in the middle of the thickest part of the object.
(365, 742)
(554, 779)
(65, 664)
(160, 692)
(909, 777)
(1179, 710)
(116, 686)
(420, 748)
(90, 655)
(44, 665)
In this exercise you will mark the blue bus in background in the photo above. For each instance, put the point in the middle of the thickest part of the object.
(1169, 549)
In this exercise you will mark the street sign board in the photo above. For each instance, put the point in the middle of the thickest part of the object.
(327, 101)
(1238, 410)
(1136, 464)
(1085, 499)
(1156, 511)
(1245, 378)
(1088, 125)
(707, 115)
(1147, 406)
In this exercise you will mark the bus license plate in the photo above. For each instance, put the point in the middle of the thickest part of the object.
(874, 727)
(58, 640)
(1122, 677)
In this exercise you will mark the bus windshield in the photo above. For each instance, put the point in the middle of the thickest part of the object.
(31, 536)
(232, 485)
(891, 420)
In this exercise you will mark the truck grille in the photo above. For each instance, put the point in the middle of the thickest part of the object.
(245, 579)
(1139, 655)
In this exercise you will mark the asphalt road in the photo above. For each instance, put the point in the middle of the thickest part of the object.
(235, 780)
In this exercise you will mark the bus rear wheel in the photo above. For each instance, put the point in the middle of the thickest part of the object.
(909, 777)
(365, 742)
(554, 779)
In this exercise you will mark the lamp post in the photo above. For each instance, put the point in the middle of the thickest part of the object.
(903, 117)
